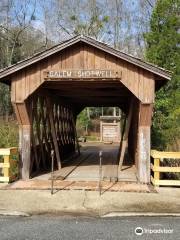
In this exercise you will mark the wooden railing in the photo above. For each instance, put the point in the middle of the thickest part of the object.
(158, 157)
(9, 170)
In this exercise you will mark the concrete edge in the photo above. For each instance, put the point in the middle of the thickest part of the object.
(140, 214)
(90, 214)
(14, 213)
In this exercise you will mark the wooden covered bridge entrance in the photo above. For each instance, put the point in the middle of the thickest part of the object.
(51, 88)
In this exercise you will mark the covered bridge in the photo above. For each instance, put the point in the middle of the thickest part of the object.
(51, 88)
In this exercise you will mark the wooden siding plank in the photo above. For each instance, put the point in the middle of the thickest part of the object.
(55, 60)
(69, 60)
(76, 57)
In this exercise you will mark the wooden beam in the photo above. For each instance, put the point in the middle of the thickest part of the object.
(22, 113)
(53, 132)
(75, 132)
(123, 144)
(90, 93)
(143, 151)
(25, 150)
(84, 84)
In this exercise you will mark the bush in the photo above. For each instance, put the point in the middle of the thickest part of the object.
(8, 134)
(172, 163)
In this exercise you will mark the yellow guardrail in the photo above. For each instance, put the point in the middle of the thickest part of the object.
(9, 170)
(158, 157)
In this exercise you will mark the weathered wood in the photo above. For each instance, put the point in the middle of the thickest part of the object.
(110, 132)
(145, 115)
(84, 59)
(123, 144)
(76, 137)
(25, 150)
(91, 43)
(49, 108)
(81, 72)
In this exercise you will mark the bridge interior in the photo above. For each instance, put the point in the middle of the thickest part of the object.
(86, 167)
(59, 104)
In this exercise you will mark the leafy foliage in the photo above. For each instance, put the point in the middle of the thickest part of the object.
(8, 134)
(83, 122)
(163, 49)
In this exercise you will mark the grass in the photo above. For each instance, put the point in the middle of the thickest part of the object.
(92, 138)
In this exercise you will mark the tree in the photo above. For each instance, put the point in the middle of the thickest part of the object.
(83, 122)
(163, 49)
(16, 37)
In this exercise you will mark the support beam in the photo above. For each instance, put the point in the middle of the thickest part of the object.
(21, 110)
(53, 132)
(124, 140)
(25, 150)
(76, 137)
(144, 144)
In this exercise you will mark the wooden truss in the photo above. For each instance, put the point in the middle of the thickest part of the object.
(52, 128)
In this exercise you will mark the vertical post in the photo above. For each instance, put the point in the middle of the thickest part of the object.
(76, 137)
(6, 169)
(25, 150)
(156, 173)
(23, 113)
(100, 171)
(144, 143)
(52, 171)
(101, 131)
(123, 143)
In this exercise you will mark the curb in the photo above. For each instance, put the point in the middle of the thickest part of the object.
(140, 214)
(14, 213)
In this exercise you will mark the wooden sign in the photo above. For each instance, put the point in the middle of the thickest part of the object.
(110, 132)
(82, 73)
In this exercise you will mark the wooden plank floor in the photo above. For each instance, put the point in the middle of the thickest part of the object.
(86, 167)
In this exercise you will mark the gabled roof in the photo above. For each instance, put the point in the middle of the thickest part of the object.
(4, 73)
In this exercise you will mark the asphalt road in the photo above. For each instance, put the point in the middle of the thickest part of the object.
(72, 228)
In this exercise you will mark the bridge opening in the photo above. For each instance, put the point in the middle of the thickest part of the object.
(94, 136)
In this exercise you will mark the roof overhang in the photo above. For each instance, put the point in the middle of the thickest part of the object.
(8, 71)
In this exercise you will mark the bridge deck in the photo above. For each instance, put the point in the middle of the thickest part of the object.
(86, 167)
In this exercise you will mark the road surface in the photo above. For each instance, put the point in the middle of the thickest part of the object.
(72, 228)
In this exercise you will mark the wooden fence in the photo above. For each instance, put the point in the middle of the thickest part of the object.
(158, 157)
(9, 170)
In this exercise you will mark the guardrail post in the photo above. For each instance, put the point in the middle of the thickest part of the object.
(6, 169)
(156, 173)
